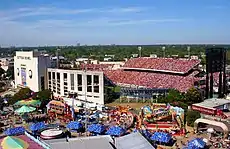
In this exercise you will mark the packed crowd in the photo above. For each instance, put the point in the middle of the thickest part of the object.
(166, 64)
(151, 80)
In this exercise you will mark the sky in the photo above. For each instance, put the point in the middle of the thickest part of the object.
(93, 22)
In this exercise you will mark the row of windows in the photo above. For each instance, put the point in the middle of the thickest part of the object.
(89, 78)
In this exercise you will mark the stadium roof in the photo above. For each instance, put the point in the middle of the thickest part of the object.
(132, 141)
(151, 80)
(169, 65)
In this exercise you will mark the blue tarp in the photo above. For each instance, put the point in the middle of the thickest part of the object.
(74, 125)
(15, 131)
(115, 131)
(161, 137)
(96, 128)
(37, 126)
(196, 144)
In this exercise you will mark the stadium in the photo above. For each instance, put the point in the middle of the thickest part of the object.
(147, 77)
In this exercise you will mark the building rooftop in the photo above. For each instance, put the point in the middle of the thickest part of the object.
(99, 142)
(212, 103)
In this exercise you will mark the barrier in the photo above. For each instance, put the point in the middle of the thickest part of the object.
(38, 141)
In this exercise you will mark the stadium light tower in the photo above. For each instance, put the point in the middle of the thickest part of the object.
(188, 49)
(163, 49)
(57, 55)
(139, 49)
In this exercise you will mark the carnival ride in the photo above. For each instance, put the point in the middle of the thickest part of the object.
(162, 116)
(60, 110)
(51, 134)
(121, 116)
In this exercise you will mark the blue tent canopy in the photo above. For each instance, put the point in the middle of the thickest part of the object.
(74, 125)
(115, 131)
(37, 126)
(146, 133)
(161, 137)
(196, 144)
(15, 131)
(96, 128)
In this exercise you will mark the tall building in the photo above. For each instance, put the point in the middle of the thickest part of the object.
(88, 85)
(30, 69)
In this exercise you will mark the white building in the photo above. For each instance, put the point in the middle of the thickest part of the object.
(89, 85)
(30, 69)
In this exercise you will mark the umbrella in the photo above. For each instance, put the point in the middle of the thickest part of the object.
(32, 102)
(10, 142)
(25, 109)
(15, 131)
(161, 137)
(115, 131)
(74, 125)
(37, 126)
(146, 133)
(96, 128)
(196, 144)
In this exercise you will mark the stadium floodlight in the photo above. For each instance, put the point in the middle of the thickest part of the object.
(139, 49)
(188, 49)
(163, 49)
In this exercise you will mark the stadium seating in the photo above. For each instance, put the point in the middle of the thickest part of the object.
(162, 64)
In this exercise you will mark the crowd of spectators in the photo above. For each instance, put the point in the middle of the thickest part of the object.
(162, 64)
(151, 80)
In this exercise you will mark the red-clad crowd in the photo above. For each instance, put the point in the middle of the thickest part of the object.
(164, 64)
(151, 80)
(100, 67)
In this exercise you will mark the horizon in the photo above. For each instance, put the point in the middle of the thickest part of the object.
(47, 23)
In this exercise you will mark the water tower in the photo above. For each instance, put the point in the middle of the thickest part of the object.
(163, 50)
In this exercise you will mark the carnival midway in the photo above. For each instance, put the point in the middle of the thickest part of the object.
(161, 125)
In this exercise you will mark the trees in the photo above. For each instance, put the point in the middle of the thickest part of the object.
(23, 93)
(44, 95)
(191, 117)
(193, 96)
(10, 73)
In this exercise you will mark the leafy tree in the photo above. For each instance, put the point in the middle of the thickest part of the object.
(10, 73)
(191, 117)
(110, 94)
(2, 71)
(193, 96)
(44, 95)
(23, 93)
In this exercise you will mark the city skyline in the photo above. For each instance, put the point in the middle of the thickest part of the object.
(40, 23)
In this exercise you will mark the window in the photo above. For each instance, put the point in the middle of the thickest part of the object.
(89, 88)
(89, 79)
(58, 77)
(79, 82)
(72, 81)
(49, 75)
(79, 79)
(53, 75)
(65, 75)
(96, 89)
(96, 79)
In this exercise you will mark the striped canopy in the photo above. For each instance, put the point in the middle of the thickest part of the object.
(11, 142)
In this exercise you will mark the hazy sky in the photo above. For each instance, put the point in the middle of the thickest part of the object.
(66, 22)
